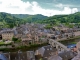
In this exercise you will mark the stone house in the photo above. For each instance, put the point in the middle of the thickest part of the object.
(18, 36)
(46, 52)
(7, 34)
(26, 40)
(30, 55)
(66, 55)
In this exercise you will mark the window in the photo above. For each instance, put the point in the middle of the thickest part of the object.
(47, 49)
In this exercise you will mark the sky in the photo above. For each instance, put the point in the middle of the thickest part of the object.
(44, 7)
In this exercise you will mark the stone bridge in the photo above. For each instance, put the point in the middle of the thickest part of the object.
(58, 45)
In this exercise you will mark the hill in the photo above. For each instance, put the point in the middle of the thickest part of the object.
(6, 20)
(10, 20)
(72, 18)
(30, 18)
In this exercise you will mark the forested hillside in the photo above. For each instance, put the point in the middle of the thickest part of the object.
(72, 18)
(30, 18)
(6, 20)
(11, 20)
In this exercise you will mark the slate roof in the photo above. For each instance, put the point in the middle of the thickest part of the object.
(55, 58)
(3, 57)
(46, 51)
(66, 55)
(77, 57)
(7, 31)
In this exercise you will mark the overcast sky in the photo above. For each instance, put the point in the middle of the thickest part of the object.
(44, 7)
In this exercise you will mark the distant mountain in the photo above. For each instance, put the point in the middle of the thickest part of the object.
(30, 18)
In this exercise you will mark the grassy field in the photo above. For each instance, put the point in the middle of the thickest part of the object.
(2, 43)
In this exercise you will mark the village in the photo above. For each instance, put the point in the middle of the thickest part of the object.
(30, 34)
(35, 34)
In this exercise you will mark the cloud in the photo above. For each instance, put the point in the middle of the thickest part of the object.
(20, 7)
(59, 5)
(74, 10)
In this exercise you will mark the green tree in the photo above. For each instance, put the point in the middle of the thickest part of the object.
(48, 26)
(14, 39)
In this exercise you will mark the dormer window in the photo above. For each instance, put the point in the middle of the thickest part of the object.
(47, 49)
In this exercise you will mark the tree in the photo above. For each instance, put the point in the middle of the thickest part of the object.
(14, 39)
(48, 26)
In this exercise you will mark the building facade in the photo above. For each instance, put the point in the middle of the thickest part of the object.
(7, 35)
